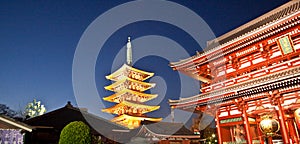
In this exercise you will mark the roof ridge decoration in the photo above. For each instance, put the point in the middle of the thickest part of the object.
(129, 52)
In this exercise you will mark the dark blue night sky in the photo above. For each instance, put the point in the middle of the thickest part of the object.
(38, 41)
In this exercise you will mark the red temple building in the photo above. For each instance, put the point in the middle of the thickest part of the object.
(250, 79)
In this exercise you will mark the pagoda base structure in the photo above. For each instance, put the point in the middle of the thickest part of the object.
(250, 80)
(133, 121)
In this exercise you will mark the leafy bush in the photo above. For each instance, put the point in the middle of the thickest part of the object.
(75, 132)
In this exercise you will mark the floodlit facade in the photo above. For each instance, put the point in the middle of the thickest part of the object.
(250, 79)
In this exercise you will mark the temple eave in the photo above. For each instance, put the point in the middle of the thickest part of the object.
(125, 116)
(114, 76)
(131, 95)
(138, 85)
(125, 106)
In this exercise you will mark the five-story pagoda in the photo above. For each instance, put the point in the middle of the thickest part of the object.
(130, 94)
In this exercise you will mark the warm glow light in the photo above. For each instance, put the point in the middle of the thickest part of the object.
(269, 126)
(129, 96)
(297, 117)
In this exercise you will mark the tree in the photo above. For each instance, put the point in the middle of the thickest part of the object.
(34, 109)
(5, 110)
(76, 132)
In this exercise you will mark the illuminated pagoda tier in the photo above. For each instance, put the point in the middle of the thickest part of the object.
(129, 88)
(250, 80)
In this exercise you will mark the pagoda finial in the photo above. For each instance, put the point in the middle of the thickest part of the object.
(129, 52)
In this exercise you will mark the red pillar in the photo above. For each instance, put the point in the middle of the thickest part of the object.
(270, 140)
(283, 129)
(261, 139)
(218, 127)
(247, 126)
(292, 129)
(296, 132)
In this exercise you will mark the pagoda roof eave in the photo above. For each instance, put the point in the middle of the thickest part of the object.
(123, 68)
(126, 120)
(128, 104)
(111, 97)
(110, 87)
(118, 118)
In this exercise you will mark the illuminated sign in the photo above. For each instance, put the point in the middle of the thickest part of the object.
(285, 45)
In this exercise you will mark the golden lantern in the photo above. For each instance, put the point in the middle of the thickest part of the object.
(297, 117)
(269, 126)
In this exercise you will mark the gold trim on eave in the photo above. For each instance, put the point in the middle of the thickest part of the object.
(126, 105)
(116, 97)
(114, 76)
(132, 122)
(125, 116)
(115, 84)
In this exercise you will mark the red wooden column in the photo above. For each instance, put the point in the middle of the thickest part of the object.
(218, 127)
(292, 129)
(261, 139)
(270, 140)
(242, 106)
(283, 129)
(275, 99)
(247, 125)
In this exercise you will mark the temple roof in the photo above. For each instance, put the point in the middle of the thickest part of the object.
(166, 130)
(59, 118)
(125, 106)
(125, 70)
(129, 83)
(9, 123)
(246, 33)
(127, 94)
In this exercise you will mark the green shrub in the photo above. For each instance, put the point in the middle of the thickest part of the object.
(75, 132)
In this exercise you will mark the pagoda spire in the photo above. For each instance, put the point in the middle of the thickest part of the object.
(129, 53)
